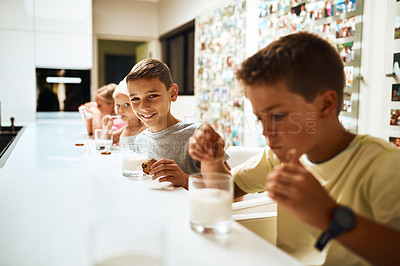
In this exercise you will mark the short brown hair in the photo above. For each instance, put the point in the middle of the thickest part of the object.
(149, 69)
(304, 61)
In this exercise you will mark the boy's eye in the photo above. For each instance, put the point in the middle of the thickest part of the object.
(278, 116)
(153, 95)
(127, 104)
(134, 99)
(117, 105)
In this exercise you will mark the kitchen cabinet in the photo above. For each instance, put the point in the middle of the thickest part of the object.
(16, 14)
(63, 33)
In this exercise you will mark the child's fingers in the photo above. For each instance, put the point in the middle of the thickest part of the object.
(292, 157)
(167, 179)
(283, 178)
(219, 146)
(162, 161)
(197, 144)
(163, 167)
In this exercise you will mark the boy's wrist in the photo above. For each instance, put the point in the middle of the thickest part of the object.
(213, 166)
(327, 217)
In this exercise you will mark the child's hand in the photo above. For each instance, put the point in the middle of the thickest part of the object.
(292, 186)
(106, 120)
(206, 145)
(168, 170)
(90, 105)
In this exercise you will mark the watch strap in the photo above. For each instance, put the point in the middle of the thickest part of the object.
(323, 240)
(335, 229)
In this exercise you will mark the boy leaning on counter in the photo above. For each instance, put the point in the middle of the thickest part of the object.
(151, 91)
(328, 182)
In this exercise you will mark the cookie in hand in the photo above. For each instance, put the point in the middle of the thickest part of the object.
(146, 165)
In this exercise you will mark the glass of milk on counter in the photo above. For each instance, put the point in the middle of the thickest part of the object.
(210, 199)
(103, 139)
(133, 156)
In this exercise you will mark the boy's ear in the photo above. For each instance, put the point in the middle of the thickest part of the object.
(327, 103)
(173, 92)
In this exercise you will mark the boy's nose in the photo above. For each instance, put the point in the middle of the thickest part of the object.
(268, 129)
(144, 104)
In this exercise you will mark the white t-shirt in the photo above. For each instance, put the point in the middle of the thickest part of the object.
(172, 143)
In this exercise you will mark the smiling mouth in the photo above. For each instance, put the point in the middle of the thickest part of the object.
(147, 116)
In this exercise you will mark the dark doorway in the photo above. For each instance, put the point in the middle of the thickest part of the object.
(117, 66)
(116, 58)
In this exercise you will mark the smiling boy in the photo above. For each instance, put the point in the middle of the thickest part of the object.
(328, 182)
(151, 91)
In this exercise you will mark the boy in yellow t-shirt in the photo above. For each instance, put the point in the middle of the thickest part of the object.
(328, 182)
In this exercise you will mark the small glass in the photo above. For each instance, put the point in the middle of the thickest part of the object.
(133, 156)
(122, 241)
(210, 199)
(103, 139)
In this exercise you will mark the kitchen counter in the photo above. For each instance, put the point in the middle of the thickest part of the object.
(51, 193)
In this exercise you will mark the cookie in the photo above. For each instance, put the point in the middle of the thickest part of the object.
(146, 165)
(79, 144)
(106, 152)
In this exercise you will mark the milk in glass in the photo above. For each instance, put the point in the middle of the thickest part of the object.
(132, 165)
(210, 206)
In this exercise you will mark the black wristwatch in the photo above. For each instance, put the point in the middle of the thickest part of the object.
(342, 221)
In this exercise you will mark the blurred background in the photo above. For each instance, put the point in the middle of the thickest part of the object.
(54, 54)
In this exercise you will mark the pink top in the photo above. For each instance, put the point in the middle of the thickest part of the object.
(117, 124)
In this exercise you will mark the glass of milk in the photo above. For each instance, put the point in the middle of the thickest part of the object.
(126, 241)
(103, 139)
(210, 199)
(133, 155)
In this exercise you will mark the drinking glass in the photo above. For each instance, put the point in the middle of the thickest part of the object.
(121, 241)
(103, 139)
(133, 156)
(210, 199)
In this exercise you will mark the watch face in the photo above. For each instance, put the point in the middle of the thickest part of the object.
(344, 217)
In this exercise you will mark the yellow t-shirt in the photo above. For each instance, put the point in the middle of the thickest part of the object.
(364, 177)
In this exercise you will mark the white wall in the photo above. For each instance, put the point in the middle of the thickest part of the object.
(174, 13)
(133, 19)
(63, 34)
(372, 67)
(124, 20)
(17, 68)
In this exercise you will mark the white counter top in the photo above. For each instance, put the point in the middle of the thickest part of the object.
(52, 191)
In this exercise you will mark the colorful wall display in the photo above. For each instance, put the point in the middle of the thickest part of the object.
(220, 49)
(391, 92)
(338, 21)
(220, 46)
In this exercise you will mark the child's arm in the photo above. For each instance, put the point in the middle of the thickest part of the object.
(96, 116)
(168, 170)
(84, 109)
(117, 134)
(292, 186)
(207, 147)
(106, 120)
